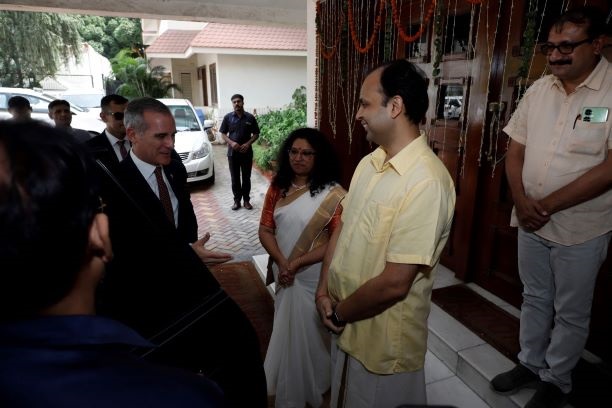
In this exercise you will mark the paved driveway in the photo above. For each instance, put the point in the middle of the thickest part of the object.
(231, 231)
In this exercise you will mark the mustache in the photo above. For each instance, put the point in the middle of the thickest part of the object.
(560, 62)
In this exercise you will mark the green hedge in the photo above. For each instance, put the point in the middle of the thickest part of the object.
(275, 126)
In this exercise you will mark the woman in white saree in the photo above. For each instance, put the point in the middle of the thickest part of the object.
(302, 205)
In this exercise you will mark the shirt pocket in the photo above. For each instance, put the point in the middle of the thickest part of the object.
(376, 222)
(588, 139)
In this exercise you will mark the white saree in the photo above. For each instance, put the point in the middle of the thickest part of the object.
(297, 363)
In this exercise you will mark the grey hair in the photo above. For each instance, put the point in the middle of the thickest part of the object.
(135, 109)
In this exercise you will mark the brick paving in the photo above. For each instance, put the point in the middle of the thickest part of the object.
(231, 231)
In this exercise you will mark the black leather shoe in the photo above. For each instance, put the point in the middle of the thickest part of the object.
(236, 205)
(516, 379)
(547, 395)
(248, 205)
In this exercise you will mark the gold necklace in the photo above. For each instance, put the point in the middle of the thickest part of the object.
(297, 188)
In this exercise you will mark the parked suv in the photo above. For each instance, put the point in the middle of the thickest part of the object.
(81, 118)
(191, 142)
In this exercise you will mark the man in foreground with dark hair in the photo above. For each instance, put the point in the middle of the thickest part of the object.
(559, 169)
(54, 244)
(379, 268)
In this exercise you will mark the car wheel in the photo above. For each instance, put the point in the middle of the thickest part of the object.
(211, 180)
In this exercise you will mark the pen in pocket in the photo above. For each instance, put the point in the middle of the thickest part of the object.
(578, 117)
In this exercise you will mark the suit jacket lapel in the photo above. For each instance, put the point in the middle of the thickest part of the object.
(136, 185)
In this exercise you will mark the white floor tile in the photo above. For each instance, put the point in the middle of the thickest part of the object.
(453, 392)
(487, 295)
(435, 369)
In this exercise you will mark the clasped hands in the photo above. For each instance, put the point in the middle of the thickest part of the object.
(531, 214)
(286, 272)
(242, 148)
(207, 256)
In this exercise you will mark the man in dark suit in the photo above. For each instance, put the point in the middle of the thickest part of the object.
(111, 146)
(158, 281)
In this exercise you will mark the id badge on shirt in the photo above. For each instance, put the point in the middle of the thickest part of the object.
(594, 114)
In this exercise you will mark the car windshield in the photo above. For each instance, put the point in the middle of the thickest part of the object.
(185, 118)
(84, 100)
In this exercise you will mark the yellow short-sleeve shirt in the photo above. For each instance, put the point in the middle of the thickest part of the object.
(399, 211)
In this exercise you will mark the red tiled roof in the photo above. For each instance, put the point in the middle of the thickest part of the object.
(172, 42)
(217, 35)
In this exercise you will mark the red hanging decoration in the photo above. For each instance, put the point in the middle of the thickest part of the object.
(396, 19)
(377, 24)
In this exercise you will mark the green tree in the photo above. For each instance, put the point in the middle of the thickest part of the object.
(34, 45)
(275, 126)
(109, 35)
(138, 78)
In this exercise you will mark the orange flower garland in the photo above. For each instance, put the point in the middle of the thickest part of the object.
(328, 55)
(411, 38)
(377, 23)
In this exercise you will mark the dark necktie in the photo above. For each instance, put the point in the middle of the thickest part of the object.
(164, 195)
(122, 149)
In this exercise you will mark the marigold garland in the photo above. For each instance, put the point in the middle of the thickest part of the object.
(322, 47)
(396, 19)
(377, 23)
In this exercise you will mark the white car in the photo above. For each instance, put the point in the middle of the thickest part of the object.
(81, 118)
(453, 106)
(191, 141)
(85, 98)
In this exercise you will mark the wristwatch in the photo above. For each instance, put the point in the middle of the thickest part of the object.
(335, 319)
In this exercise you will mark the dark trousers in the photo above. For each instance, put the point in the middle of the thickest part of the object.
(241, 163)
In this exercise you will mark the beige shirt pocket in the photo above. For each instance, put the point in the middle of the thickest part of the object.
(588, 139)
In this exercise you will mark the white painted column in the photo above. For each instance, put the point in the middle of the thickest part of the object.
(311, 61)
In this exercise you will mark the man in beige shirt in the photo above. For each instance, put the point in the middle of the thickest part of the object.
(375, 291)
(559, 169)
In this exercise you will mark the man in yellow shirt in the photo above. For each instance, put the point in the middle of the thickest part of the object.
(378, 271)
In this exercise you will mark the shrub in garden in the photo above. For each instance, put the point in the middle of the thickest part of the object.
(275, 126)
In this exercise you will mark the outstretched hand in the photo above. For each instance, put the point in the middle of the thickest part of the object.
(207, 256)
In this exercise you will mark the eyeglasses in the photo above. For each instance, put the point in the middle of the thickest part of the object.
(564, 48)
(116, 115)
(307, 154)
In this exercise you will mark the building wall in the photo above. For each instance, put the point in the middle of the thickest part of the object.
(187, 66)
(204, 60)
(88, 73)
(266, 82)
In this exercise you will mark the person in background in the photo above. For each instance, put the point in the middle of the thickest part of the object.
(301, 209)
(559, 169)
(111, 146)
(20, 108)
(60, 113)
(54, 245)
(158, 281)
(240, 130)
(380, 263)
